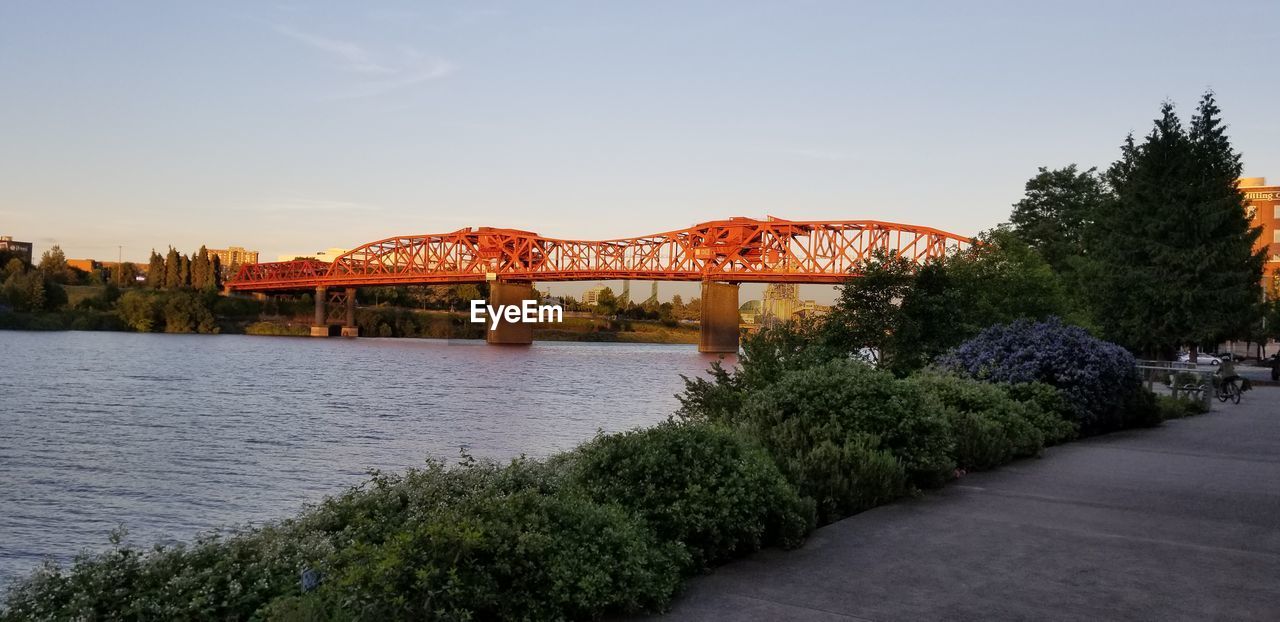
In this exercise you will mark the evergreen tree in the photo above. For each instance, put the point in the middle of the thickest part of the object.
(1231, 263)
(155, 271)
(215, 272)
(184, 271)
(1172, 260)
(1141, 277)
(172, 269)
(200, 269)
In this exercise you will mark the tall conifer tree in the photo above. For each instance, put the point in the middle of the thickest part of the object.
(1173, 262)
(172, 269)
(155, 271)
(1231, 275)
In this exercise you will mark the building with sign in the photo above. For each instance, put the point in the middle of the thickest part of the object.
(21, 249)
(1264, 209)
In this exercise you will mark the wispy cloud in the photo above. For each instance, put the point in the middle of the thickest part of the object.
(380, 71)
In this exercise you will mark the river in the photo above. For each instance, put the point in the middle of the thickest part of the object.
(172, 435)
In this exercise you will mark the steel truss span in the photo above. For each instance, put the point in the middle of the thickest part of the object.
(738, 250)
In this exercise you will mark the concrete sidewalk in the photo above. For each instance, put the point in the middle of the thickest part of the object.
(1180, 522)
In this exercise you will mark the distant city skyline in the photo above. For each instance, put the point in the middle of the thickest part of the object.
(292, 129)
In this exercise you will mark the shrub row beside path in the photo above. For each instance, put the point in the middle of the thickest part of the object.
(1175, 523)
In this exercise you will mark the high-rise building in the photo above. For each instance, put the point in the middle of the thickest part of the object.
(233, 257)
(1264, 209)
(21, 249)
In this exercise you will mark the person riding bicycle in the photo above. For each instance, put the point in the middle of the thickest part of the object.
(1227, 373)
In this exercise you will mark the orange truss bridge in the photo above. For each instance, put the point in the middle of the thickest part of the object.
(721, 254)
(738, 250)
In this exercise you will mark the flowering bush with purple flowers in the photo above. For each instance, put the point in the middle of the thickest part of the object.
(1098, 378)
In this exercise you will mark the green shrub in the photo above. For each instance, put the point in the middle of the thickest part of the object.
(185, 312)
(1139, 409)
(848, 436)
(703, 486)
(989, 426)
(480, 541)
(525, 555)
(1175, 408)
(218, 577)
(1057, 416)
(138, 309)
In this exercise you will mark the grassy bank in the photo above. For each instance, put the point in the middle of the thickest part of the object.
(141, 310)
(756, 457)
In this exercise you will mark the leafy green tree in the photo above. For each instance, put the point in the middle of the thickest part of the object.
(868, 313)
(138, 310)
(607, 303)
(53, 263)
(184, 312)
(124, 274)
(1002, 279)
(11, 267)
(31, 290)
(930, 323)
(1058, 207)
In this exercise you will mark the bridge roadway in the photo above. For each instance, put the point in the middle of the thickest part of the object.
(721, 254)
(1180, 522)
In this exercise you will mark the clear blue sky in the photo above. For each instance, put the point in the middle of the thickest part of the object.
(298, 126)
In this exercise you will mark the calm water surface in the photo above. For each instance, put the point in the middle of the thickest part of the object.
(172, 435)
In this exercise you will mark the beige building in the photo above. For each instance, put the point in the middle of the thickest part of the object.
(591, 297)
(233, 257)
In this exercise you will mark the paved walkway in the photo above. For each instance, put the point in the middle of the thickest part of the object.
(1181, 522)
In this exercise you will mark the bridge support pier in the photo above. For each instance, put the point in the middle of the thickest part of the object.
(720, 318)
(320, 327)
(509, 333)
(349, 329)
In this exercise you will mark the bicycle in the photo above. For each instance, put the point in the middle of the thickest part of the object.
(1227, 390)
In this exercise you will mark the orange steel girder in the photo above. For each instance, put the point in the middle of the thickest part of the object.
(738, 250)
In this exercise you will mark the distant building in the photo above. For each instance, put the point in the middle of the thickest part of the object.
(1264, 210)
(781, 303)
(21, 249)
(232, 258)
(591, 297)
(327, 255)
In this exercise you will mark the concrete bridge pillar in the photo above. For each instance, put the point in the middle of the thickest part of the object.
(719, 318)
(509, 333)
(349, 329)
(320, 327)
